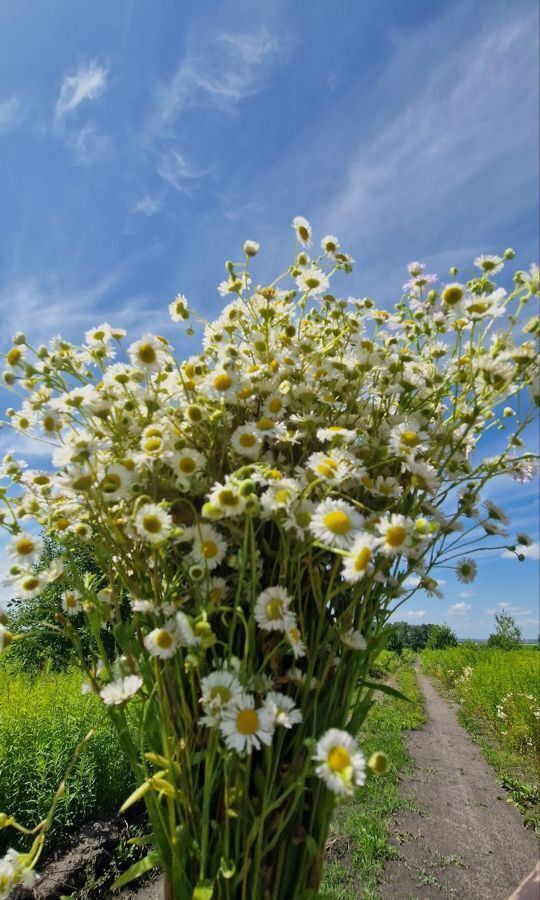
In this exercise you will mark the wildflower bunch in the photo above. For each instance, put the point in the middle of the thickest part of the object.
(256, 512)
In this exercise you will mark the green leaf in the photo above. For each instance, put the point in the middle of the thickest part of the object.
(141, 841)
(140, 868)
(386, 689)
(204, 891)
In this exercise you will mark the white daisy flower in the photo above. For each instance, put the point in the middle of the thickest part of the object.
(25, 548)
(466, 570)
(186, 463)
(119, 691)
(217, 590)
(184, 632)
(313, 280)
(490, 264)
(330, 244)
(227, 498)
(334, 467)
(81, 530)
(179, 309)
(274, 405)
(14, 870)
(336, 433)
(407, 438)
(29, 585)
(245, 728)
(303, 230)
(353, 639)
(117, 482)
(452, 294)
(247, 441)
(341, 763)
(280, 495)
(162, 642)
(71, 602)
(282, 709)
(220, 384)
(294, 637)
(218, 689)
(361, 559)
(209, 546)
(336, 523)
(298, 517)
(272, 609)
(395, 534)
(153, 523)
(141, 606)
(148, 353)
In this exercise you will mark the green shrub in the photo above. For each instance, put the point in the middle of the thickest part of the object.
(42, 720)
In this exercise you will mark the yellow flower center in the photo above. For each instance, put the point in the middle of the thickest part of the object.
(247, 440)
(163, 639)
(247, 721)
(13, 356)
(209, 549)
(187, 465)
(339, 759)
(30, 584)
(49, 423)
(275, 405)
(274, 609)
(112, 483)
(303, 518)
(215, 595)
(303, 232)
(395, 535)
(362, 559)
(25, 546)
(282, 496)
(478, 308)
(152, 524)
(228, 498)
(274, 474)
(153, 444)
(294, 634)
(71, 601)
(452, 295)
(222, 382)
(410, 438)
(220, 692)
(147, 354)
(338, 522)
(265, 424)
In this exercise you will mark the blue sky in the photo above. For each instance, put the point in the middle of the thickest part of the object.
(140, 144)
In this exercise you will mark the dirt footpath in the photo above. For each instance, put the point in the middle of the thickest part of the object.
(463, 840)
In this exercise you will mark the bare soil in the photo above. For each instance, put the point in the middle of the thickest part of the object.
(464, 840)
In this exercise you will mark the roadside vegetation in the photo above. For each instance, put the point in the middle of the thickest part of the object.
(358, 845)
(42, 720)
(498, 692)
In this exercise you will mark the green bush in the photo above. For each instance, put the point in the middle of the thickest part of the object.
(42, 720)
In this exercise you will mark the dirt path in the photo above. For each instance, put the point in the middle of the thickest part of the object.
(460, 839)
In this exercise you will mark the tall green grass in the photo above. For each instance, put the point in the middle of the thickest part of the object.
(42, 720)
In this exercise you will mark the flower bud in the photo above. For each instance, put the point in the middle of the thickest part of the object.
(19, 338)
(509, 253)
(251, 248)
(246, 488)
(211, 511)
(453, 271)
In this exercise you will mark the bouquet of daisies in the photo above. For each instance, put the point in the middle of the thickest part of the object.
(256, 512)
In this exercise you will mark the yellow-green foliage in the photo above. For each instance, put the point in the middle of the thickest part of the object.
(500, 687)
(41, 722)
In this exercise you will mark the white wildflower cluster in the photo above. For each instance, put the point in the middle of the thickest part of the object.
(255, 509)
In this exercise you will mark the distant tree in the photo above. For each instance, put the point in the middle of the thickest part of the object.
(440, 637)
(44, 646)
(507, 635)
(405, 636)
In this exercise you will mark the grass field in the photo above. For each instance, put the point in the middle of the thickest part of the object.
(358, 846)
(41, 722)
(499, 696)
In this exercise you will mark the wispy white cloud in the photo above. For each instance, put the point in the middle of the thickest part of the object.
(175, 170)
(11, 113)
(148, 205)
(426, 153)
(217, 70)
(459, 609)
(412, 614)
(88, 83)
(89, 145)
(466, 594)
